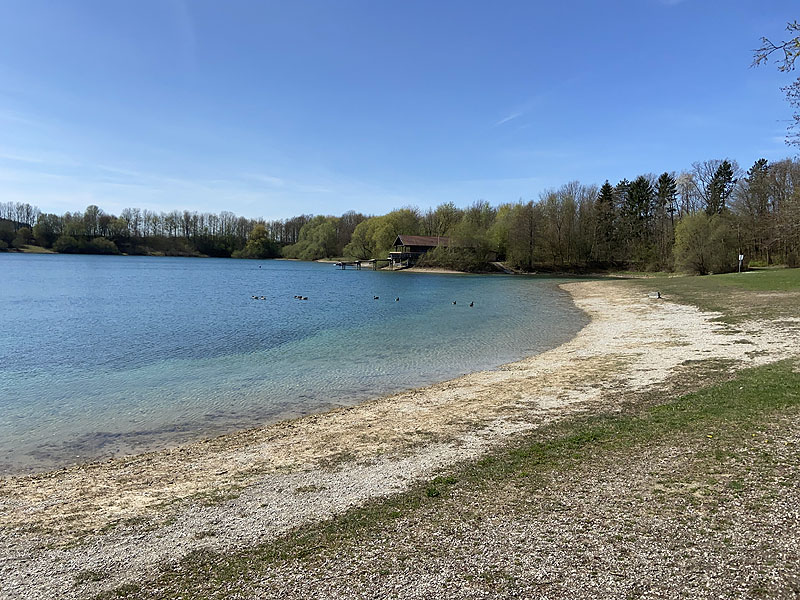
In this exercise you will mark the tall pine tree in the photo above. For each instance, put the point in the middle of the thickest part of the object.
(605, 221)
(638, 207)
(666, 194)
(754, 207)
(720, 188)
(635, 221)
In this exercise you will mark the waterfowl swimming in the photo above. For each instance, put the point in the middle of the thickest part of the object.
(375, 298)
(472, 304)
(397, 299)
(454, 301)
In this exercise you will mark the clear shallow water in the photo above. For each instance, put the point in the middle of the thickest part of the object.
(101, 355)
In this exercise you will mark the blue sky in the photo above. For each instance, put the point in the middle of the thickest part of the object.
(272, 109)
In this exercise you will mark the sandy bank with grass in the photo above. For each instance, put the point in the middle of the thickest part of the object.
(78, 531)
(437, 270)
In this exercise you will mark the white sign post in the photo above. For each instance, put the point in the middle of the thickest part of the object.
(741, 258)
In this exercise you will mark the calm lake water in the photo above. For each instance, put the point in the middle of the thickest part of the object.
(101, 355)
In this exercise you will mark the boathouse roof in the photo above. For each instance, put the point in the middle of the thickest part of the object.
(431, 241)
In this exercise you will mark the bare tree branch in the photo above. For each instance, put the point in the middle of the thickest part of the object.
(790, 49)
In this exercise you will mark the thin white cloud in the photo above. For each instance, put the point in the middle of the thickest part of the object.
(55, 187)
(288, 184)
(542, 96)
(511, 117)
(270, 180)
(12, 115)
(10, 156)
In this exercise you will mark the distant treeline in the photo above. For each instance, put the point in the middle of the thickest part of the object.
(698, 221)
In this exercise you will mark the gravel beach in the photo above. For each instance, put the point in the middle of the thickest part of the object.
(76, 532)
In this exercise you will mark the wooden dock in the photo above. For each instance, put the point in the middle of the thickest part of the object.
(357, 264)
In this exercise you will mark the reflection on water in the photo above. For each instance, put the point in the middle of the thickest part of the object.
(101, 355)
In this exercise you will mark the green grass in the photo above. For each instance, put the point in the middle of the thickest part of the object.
(31, 249)
(640, 274)
(763, 294)
(712, 413)
(717, 420)
(772, 279)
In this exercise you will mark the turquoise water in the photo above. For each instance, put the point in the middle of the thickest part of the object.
(101, 355)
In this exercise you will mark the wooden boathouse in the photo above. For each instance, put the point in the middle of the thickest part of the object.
(409, 248)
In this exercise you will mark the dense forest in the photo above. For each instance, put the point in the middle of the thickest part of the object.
(697, 221)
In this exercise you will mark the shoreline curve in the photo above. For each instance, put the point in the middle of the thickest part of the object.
(130, 514)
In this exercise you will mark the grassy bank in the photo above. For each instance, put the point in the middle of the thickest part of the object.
(771, 294)
(707, 463)
(689, 494)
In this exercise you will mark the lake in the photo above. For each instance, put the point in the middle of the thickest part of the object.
(103, 355)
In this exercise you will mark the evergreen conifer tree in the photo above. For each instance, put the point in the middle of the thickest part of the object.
(720, 188)
(666, 194)
(605, 217)
(638, 207)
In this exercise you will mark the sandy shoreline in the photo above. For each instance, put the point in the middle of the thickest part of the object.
(126, 516)
(436, 270)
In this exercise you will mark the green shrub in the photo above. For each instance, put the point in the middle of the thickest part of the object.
(22, 238)
(66, 244)
(7, 232)
(705, 244)
(259, 245)
(317, 239)
(101, 246)
(456, 259)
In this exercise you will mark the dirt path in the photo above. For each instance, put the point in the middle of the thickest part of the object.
(122, 518)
